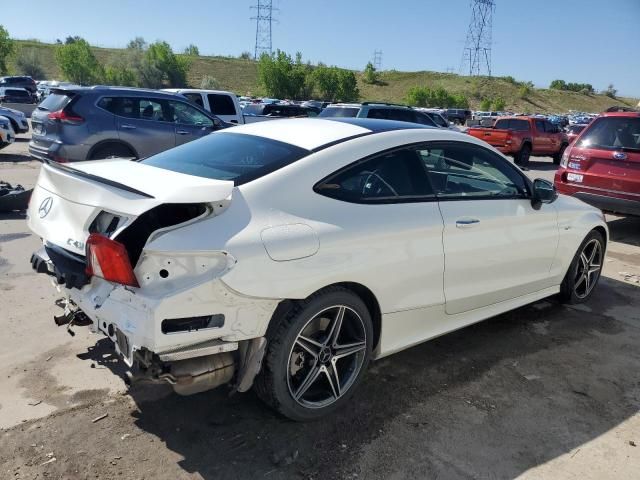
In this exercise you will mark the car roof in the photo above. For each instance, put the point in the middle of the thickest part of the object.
(103, 89)
(620, 114)
(317, 133)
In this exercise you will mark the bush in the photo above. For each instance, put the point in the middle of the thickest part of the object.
(370, 74)
(524, 91)
(510, 79)
(192, 50)
(209, 83)
(485, 104)
(426, 97)
(499, 104)
(246, 56)
(29, 62)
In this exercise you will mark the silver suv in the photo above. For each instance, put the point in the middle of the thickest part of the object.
(90, 123)
(386, 111)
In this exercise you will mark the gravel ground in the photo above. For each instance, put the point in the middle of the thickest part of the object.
(544, 392)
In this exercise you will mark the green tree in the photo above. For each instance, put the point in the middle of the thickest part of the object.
(29, 62)
(485, 104)
(611, 92)
(347, 86)
(120, 75)
(78, 63)
(192, 50)
(524, 91)
(370, 74)
(159, 57)
(246, 56)
(69, 40)
(499, 104)
(282, 77)
(327, 82)
(558, 85)
(419, 97)
(209, 83)
(7, 48)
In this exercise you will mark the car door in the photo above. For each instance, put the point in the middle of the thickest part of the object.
(497, 245)
(189, 122)
(144, 123)
(540, 138)
(552, 136)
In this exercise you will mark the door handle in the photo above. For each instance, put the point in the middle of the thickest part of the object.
(128, 126)
(466, 222)
(182, 132)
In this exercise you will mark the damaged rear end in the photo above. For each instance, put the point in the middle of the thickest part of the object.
(169, 313)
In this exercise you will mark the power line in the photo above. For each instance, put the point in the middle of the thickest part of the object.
(264, 21)
(476, 55)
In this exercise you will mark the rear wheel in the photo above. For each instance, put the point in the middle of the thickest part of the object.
(557, 157)
(584, 271)
(522, 157)
(112, 151)
(317, 355)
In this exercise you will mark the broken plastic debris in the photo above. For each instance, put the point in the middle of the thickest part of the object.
(97, 419)
(532, 377)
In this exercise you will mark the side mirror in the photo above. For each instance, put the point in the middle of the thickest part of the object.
(543, 192)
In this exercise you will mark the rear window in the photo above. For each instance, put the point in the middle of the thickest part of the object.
(228, 156)
(576, 128)
(221, 104)
(511, 124)
(340, 112)
(55, 102)
(613, 133)
(16, 93)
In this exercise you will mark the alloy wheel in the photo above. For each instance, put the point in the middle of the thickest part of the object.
(326, 357)
(588, 268)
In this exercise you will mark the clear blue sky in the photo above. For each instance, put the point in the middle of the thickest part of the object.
(592, 41)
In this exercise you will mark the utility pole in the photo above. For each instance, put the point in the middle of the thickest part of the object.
(477, 48)
(264, 21)
(377, 60)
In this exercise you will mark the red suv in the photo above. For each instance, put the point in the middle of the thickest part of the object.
(602, 166)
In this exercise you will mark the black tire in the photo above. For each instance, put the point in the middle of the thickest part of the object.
(3, 144)
(522, 157)
(570, 289)
(112, 151)
(557, 157)
(14, 125)
(274, 383)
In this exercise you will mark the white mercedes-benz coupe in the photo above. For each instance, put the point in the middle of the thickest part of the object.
(286, 255)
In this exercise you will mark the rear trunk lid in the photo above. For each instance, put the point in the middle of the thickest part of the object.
(494, 137)
(68, 203)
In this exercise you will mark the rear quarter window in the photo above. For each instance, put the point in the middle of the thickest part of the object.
(55, 102)
(221, 104)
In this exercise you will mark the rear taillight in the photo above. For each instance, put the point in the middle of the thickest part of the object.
(565, 157)
(509, 138)
(65, 117)
(108, 259)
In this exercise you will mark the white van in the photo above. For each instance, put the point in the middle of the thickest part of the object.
(223, 105)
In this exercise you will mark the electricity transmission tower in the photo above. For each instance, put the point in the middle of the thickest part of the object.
(264, 21)
(476, 56)
(377, 60)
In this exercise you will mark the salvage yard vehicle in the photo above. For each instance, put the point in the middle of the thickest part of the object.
(7, 135)
(91, 123)
(602, 166)
(286, 255)
(224, 105)
(523, 137)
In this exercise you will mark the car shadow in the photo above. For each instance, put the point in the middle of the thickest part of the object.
(543, 166)
(450, 398)
(624, 230)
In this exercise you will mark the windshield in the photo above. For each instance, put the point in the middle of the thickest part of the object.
(228, 156)
(341, 112)
(613, 133)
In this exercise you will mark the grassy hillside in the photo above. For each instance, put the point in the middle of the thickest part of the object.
(241, 76)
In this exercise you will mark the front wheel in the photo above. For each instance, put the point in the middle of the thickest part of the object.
(317, 355)
(584, 271)
(522, 157)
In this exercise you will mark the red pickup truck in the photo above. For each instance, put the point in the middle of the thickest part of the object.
(523, 137)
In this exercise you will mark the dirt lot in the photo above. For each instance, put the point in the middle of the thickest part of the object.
(544, 392)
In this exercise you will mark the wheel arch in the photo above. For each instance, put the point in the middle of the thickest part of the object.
(111, 141)
(363, 292)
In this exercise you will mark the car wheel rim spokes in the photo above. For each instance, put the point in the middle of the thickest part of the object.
(588, 268)
(326, 357)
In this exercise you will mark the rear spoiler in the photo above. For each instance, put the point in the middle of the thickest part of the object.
(95, 178)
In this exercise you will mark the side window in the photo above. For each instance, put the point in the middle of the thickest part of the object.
(424, 119)
(187, 115)
(195, 98)
(109, 104)
(153, 109)
(540, 126)
(380, 113)
(393, 177)
(549, 127)
(129, 107)
(402, 115)
(221, 104)
(464, 170)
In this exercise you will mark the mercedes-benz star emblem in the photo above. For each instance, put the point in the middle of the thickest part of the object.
(45, 207)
